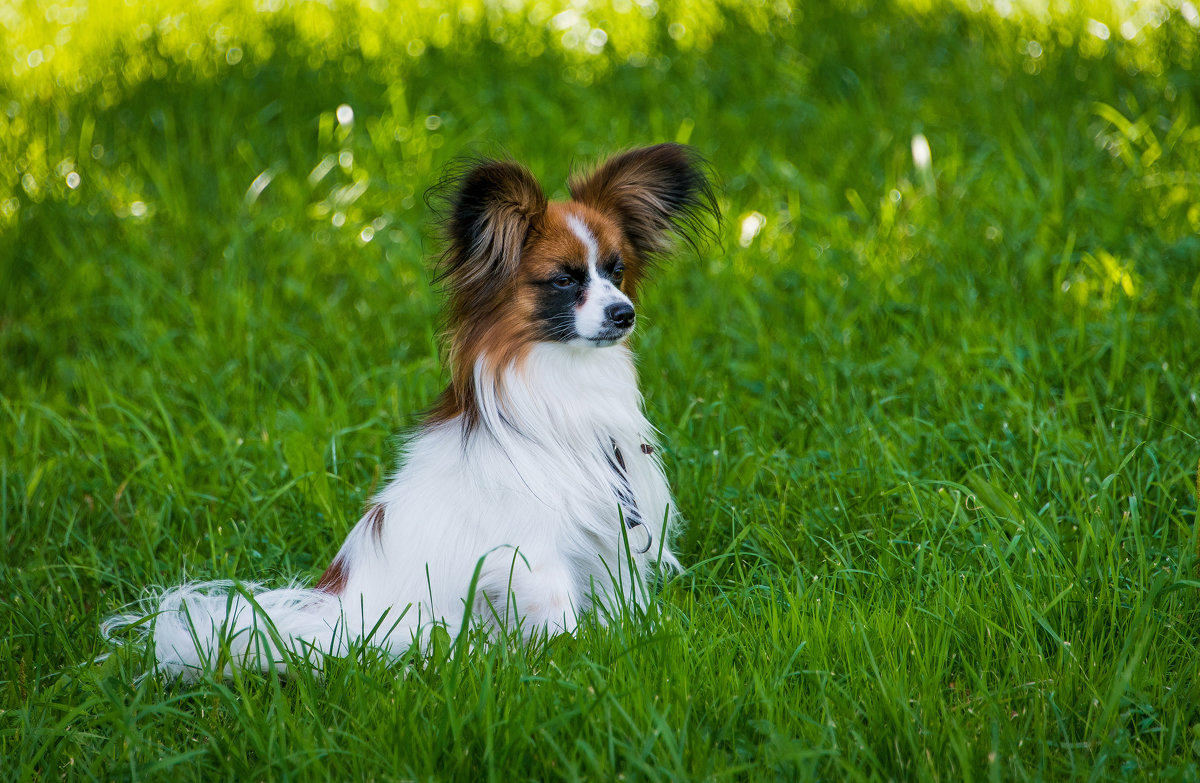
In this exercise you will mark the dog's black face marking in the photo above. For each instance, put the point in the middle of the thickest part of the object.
(556, 298)
(612, 269)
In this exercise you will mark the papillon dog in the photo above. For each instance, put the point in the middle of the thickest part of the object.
(532, 492)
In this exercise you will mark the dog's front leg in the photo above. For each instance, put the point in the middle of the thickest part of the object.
(536, 598)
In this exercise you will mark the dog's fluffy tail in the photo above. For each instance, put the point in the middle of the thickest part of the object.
(223, 625)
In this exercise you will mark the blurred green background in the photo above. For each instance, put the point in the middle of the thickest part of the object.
(930, 403)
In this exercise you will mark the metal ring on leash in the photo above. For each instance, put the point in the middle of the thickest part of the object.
(649, 537)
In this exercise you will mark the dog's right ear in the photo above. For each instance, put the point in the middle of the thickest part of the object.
(490, 211)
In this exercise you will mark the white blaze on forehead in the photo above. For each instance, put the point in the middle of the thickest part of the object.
(579, 229)
(591, 319)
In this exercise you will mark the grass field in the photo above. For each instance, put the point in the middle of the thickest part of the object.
(933, 418)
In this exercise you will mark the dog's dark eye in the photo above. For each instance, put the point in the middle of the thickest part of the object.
(563, 281)
(618, 274)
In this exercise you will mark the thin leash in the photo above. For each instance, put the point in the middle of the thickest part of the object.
(633, 517)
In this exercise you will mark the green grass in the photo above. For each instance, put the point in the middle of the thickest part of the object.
(936, 431)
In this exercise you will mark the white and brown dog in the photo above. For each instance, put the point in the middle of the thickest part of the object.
(532, 491)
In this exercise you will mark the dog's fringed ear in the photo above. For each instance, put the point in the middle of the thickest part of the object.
(489, 211)
(652, 192)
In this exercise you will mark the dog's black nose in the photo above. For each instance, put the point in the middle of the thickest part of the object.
(620, 314)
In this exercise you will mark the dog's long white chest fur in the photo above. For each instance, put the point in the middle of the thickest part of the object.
(533, 491)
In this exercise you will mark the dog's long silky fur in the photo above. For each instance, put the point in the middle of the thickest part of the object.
(533, 489)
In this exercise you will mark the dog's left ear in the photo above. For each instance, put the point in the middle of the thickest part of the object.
(652, 192)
